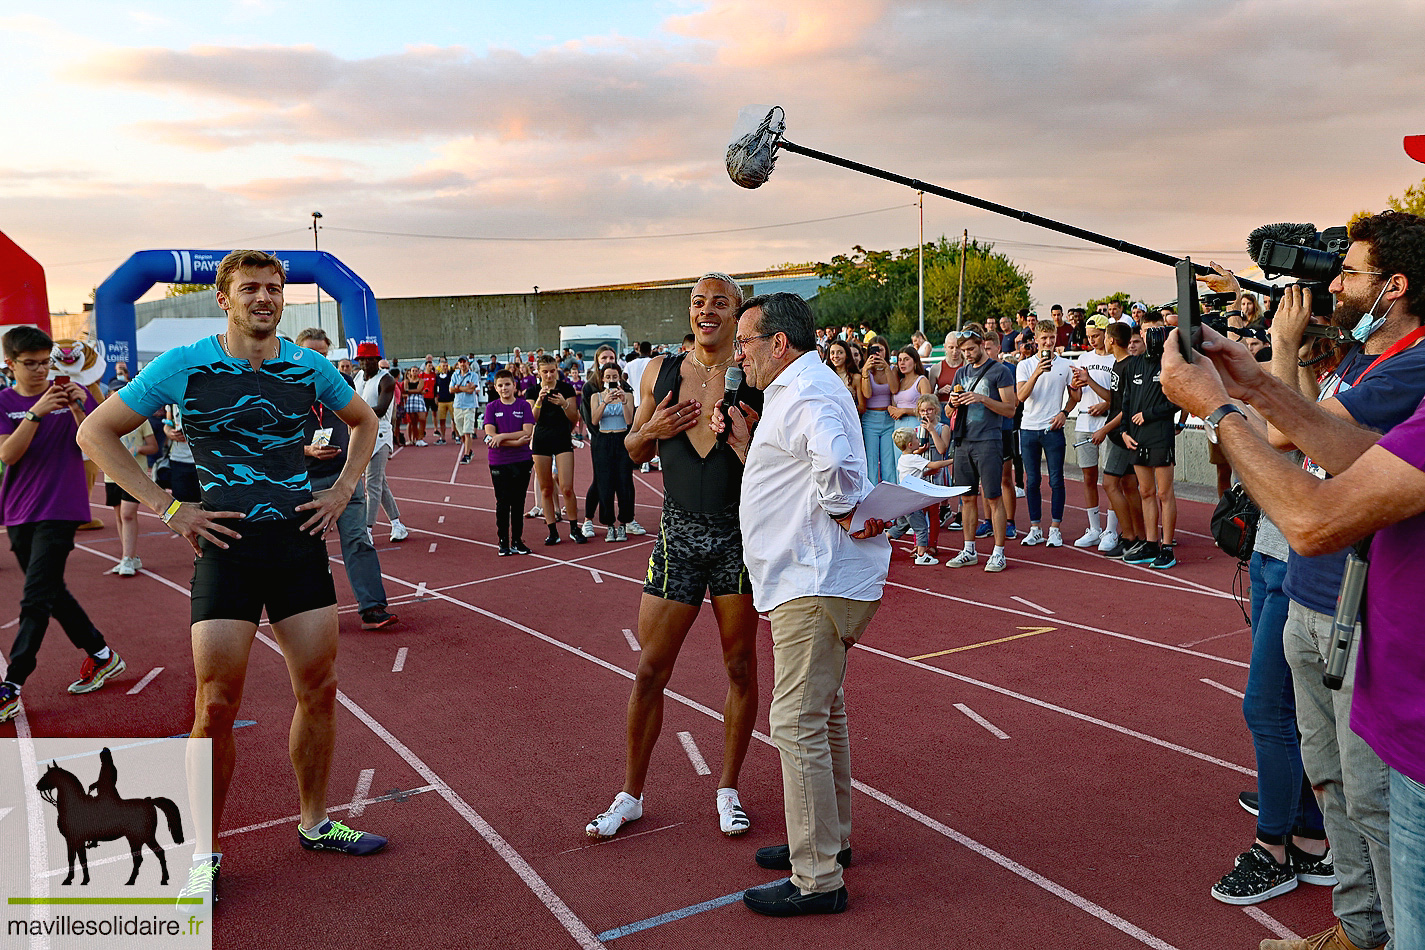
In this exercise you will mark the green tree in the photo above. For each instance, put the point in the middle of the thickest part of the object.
(880, 288)
(1413, 200)
(178, 290)
(1121, 296)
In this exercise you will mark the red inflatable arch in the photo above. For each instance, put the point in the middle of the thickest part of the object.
(23, 297)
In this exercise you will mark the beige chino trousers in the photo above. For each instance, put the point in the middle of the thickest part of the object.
(810, 639)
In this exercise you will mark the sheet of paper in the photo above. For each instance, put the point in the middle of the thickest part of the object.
(888, 502)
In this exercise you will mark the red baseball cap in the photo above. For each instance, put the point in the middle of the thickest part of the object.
(368, 351)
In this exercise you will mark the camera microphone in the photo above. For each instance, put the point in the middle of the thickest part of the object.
(731, 384)
(1281, 234)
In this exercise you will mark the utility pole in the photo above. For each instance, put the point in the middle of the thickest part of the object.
(920, 251)
(317, 246)
(960, 302)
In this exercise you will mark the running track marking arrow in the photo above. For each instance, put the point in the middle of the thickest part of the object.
(1032, 632)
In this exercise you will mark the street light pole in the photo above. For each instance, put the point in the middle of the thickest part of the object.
(316, 246)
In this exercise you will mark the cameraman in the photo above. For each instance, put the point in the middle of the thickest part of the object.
(1376, 836)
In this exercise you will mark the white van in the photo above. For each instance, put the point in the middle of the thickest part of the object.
(590, 336)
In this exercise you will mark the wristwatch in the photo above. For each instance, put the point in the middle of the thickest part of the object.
(1212, 421)
(30, 415)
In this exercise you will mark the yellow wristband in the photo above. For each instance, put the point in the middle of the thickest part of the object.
(172, 510)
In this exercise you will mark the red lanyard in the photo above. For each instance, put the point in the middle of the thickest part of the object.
(1404, 343)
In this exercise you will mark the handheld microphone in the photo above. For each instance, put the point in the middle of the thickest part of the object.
(1343, 624)
(731, 384)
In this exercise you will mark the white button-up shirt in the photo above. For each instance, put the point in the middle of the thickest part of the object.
(805, 467)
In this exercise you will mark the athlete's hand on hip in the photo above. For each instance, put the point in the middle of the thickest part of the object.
(670, 418)
(192, 522)
(326, 506)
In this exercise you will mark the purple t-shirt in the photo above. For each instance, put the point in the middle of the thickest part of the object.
(1388, 709)
(47, 483)
(505, 419)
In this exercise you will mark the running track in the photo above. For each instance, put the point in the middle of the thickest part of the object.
(1048, 756)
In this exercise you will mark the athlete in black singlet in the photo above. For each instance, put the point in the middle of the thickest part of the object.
(698, 551)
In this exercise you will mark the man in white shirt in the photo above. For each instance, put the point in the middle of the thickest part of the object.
(635, 369)
(1097, 364)
(805, 475)
(1041, 383)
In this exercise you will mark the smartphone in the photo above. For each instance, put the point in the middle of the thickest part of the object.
(61, 380)
(1189, 311)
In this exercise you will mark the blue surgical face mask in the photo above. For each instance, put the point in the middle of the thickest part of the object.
(1369, 322)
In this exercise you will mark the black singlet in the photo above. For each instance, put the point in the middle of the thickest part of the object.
(696, 483)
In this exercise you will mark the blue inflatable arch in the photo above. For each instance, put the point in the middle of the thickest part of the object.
(114, 320)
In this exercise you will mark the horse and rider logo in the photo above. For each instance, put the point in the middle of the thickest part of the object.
(85, 819)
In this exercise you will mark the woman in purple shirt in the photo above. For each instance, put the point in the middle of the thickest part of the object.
(509, 424)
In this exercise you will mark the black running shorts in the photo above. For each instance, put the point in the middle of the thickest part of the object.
(1154, 455)
(697, 552)
(544, 443)
(274, 565)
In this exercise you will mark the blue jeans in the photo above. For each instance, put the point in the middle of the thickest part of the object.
(881, 453)
(363, 564)
(1287, 805)
(1052, 442)
(1407, 860)
(920, 524)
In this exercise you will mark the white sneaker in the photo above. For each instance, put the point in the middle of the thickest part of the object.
(1032, 537)
(625, 808)
(369, 538)
(1056, 539)
(1018, 492)
(633, 527)
(399, 532)
(1090, 538)
(421, 443)
(535, 512)
(995, 564)
(925, 560)
(588, 528)
(730, 816)
(1108, 541)
(611, 534)
(622, 534)
(964, 559)
(128, 567)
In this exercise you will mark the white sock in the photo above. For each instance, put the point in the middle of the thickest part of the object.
(1112, 522)
(728, 793)
(998, 551)
(102, 655)
(1093, 520)
(970, 548)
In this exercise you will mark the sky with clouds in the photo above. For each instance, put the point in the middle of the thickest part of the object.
(446, 144)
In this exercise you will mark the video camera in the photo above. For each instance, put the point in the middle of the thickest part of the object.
(1301, 251)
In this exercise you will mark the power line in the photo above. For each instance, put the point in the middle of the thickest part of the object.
(618, 237)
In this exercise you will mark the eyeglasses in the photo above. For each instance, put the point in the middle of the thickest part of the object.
(33, 365)
(1348, 271)
(738, 345)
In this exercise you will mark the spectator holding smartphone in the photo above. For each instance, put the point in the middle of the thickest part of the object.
(610, 406)
(878, 385)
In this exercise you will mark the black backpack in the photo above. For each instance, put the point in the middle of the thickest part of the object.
(1234, 523)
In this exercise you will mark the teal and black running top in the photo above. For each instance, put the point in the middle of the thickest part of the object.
(245, 425)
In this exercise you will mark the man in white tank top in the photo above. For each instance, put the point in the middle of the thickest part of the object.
(378, 390)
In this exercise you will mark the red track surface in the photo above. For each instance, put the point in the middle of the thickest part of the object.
(1100, 821)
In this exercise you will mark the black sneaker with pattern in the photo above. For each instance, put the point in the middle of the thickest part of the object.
(1256, 878)
(1312, 868)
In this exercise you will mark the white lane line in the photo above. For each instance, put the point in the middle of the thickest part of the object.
(1194, 588)
(138, 687)
(420, 589)
(35, 821)
(1030, 603)
(263, 825)
(440, 520)
(1014, 867)
(432, 547)
(608, 841)
(400, 663)
(10, 624)
(1270, 922)
(650, 488)
(991, 727)
(363, 788)
(447, 498)
(1217, 636)
(700, 764)
(1069, 623)
(1082, 717)
(1009, 864)
(598, 578)
(632, 640)
(1226, 689)
(454, 470)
